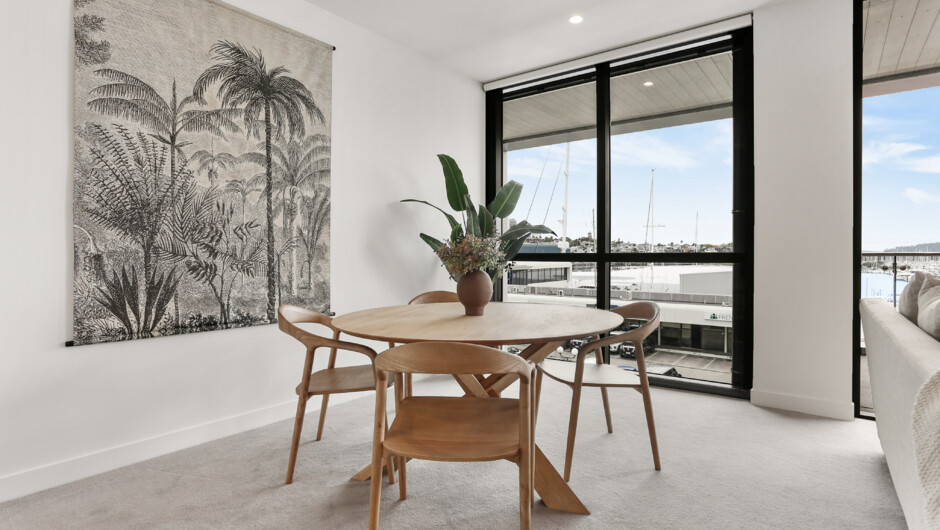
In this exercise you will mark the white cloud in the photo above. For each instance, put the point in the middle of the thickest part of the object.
(919, 196)
(648, 151)
(532, 167)
(893, 126)
(927, 164)
(888, 152)
(547, 162)
(874, 121)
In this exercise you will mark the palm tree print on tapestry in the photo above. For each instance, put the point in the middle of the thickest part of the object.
(202, 171)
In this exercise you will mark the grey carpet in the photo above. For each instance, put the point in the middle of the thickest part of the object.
(726, 464)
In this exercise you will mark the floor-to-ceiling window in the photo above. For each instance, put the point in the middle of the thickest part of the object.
(643, 168)
(899, 190)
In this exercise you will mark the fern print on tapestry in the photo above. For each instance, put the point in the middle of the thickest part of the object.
(202, 169)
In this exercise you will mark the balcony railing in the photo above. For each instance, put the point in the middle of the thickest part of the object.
(903, 263)
(896, 264)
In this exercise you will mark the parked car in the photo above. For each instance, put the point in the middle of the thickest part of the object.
(574, 343)
(626, 350)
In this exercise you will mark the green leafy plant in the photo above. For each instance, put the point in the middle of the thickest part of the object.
(480, 222)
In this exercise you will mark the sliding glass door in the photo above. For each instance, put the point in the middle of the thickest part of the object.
(643, 167)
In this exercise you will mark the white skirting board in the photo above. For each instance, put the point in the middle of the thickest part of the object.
(40, 478)
(838, 410)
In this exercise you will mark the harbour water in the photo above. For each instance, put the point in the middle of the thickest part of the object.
(878, 285)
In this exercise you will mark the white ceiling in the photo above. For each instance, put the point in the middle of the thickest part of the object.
(492, 39)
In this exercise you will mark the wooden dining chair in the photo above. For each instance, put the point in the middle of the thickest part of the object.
(430, 297)
(452, 429)
(331, 380)
(580, 374)
(435, 297)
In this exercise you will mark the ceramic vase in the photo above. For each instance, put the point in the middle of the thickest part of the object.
(474, 291)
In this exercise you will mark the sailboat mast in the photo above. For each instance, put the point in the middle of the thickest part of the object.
(652, 226)
(652, 211)
(564, 211)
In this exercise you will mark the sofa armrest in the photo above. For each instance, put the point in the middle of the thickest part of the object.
(903, 363)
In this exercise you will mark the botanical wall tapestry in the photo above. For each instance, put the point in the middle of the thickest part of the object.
(202, 169)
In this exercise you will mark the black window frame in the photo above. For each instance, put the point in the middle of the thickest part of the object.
(857, 38)
(740, 44)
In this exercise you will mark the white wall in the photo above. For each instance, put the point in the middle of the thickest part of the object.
(803, 195)
(66, 413)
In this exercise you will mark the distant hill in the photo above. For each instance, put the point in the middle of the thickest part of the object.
(923, 247)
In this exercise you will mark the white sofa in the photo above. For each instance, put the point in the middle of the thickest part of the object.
(904, 363)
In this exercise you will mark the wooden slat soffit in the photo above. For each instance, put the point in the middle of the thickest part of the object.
(681, 93)
(900, 37)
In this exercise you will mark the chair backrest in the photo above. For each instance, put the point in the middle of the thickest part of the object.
(451, 358)
(434, 297)
(639, 310)
(648, 311)
(288, 316)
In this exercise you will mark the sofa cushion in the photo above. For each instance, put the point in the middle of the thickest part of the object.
(928, 311)
(907, 302)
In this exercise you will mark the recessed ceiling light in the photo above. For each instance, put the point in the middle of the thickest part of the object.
(648, 83)
(576, 19)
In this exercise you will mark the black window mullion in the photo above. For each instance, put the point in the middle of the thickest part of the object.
(602, 237)
(493, 171)
(743, 227)
(857, 36)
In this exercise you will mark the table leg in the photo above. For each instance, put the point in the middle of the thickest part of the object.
(366, 473)
(471, 385)
(554, 491)
(535, 353)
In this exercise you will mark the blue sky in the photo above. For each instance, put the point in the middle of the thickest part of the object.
(901, 169)
(693, 175)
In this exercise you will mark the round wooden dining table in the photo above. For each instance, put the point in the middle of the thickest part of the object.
(543, 327)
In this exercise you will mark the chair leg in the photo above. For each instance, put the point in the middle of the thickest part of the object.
(295, 441)
(648, 405)
(525, 459)
(326, 400)
(536, 394)
(408, 386)
(375, 487)
(535, 414)
(572, 429)
(525, 491)
(610, 425)
(402, 477)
